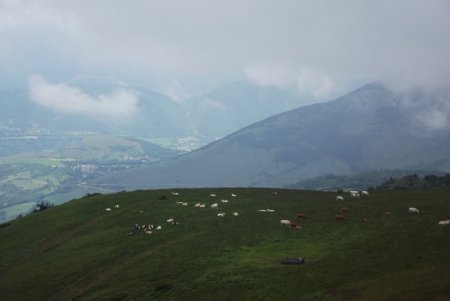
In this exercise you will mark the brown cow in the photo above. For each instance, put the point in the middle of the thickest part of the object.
(387, 213)
(302, 215)
(296, 226)
(340, 217)
(344, 210)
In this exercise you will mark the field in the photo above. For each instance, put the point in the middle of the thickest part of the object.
(77, 251)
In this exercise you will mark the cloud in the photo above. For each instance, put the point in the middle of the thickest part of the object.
(119, 105)
(284, 75)
(405, 42)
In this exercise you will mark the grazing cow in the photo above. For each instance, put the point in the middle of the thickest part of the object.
(302, 215)
(116, 206)
(202, 206)
(197, 205)
(213, 195)
(344, 210)
(285, 222)
(215, 206)
(447, 222)
(262, 210)
(170, 220)
(175, 193)
(179, 202)
(387, 213)
(148, 232)
(108, 209)
(364, 192)
(233, 195)
(413, 210)
(235, 214)
(222, 214)
(224, 201)
(184, 204)
(354, 194)
(158, 228)
(296, 226)
(340, 217)
(270, 210)
(339, 198)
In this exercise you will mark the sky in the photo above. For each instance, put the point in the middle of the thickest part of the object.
(320, 48)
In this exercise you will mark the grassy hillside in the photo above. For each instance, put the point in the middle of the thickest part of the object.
(77, 251)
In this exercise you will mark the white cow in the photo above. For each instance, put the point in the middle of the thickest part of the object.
(197, 205)
(184, 204)
(170, 220)
(235, 214)
(354, 194)
(233, 195)
(222, 214)
(285, 222)
(364, 192)
(215, 206)
(447, 222)
(108, 209)
(413, 210)
(224, 201)
(339, 198)
(262, 210)
(175, 193)
(116, 206)
(158, 228)
(213, 195)
(270, 210)
(202, 206)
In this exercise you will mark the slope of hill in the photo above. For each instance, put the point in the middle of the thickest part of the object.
(371, 128)
(77, 251)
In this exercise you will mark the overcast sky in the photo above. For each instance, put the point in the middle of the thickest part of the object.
(317, 47)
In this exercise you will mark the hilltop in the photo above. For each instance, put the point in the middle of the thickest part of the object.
(78, 251)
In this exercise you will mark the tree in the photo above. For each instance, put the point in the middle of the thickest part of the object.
(41, 206)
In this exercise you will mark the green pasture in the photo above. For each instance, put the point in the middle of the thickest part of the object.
(78, 251)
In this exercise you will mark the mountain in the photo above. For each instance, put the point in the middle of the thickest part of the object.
(371, 128)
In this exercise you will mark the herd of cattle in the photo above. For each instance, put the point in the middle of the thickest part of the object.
(149, 228)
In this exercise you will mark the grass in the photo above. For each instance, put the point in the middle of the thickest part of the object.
(77, 251)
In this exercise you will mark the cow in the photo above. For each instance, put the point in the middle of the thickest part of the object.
(184, 204)
(148, 232)
(262, 210)
(296, 226)
(275, 193)
(108, 209)
(235, 214)
(340, 217)
(197, 205)
(158, 228)
(116, 206)
(413, 210)
(365, 192)
(302, 215)
(447, 222)
(339, 198)
(344, 210)
(233, 195)
(222, 214)
(215, 206)
(387, 213)
(212, 195)
(175, 193)
(170, 220)
(354, 194)
(202, 206)
(224, 201)
(130, 233)
(285, 222)
(270, 210)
